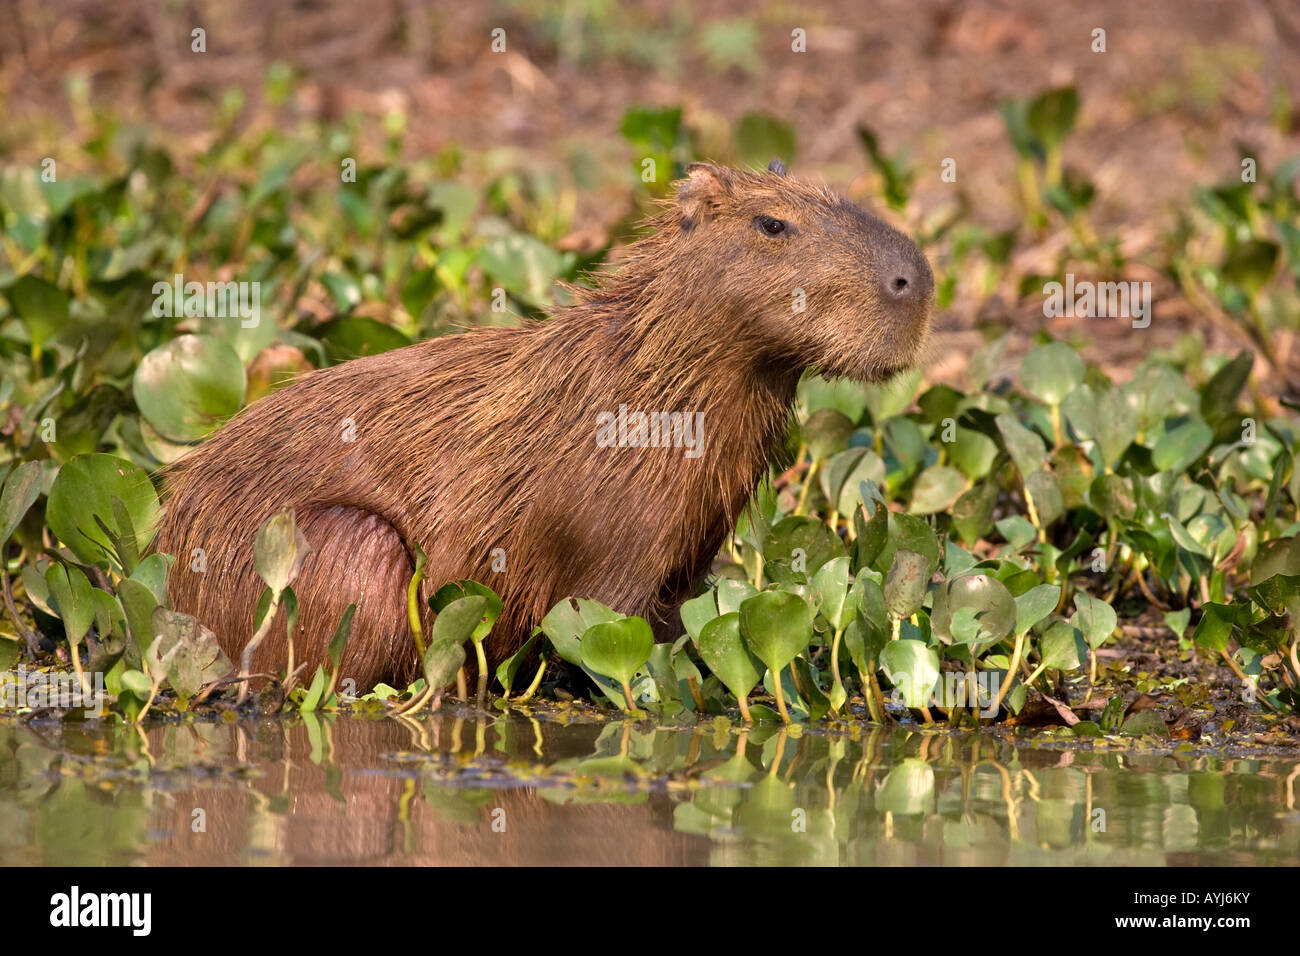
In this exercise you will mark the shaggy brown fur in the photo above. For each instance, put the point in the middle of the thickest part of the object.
(487, 439)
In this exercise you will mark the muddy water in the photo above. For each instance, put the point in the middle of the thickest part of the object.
(498, 791)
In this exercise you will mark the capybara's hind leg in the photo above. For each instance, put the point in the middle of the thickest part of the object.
(356, 557)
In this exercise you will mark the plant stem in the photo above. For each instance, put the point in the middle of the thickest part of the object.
(807, 485)
(153, 692)
(1241, 675)
(1011, 672)
(482, 672)
(835, 660)
(413, 603)
(780, 698)
(246, 660)
(536, 682)
(75, 654)
(743, 701)
(627, 694)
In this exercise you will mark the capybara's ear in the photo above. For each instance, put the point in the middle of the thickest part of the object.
(776, 166)
(701, 194)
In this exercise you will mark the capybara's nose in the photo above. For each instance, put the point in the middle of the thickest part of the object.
(906, 278)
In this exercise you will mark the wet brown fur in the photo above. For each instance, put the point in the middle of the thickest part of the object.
(486, 439)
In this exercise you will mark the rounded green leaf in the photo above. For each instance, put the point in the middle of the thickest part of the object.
(776, 625)
(913, 668)
(1179, 447)
(725, 654)
(279, 550)
(618, 649)
(84, 490)
(985, 599)
(826, 432)
(906, 583)
(1061, 646)
(1094, 618)
(356, 336)
(137, 682)
(73, 598)
(1050, 372)
(832, 583)
(936, 489)
(1034, 605)
(441, 662)
(457, 621)
(21, 489)
(189, 386)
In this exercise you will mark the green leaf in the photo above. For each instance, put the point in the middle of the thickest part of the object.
(1025, 446)
(1034, 605)
(526, 267)
(1215, 627)
(1042, 488)
(988, 605)
(697, 612)
(340, 638)
(83, 492)
(1094, 618)
(777, 626)
(727, 656)
(189, 386)
(826, 432)
(936, 489)
(43, 307)
(797, 547)
(908, 533)
(508, 669)
(832, 582)
(913, 669)
(73, 598)
(1250, 264)
(1062, 647)
(279, 550)
(565, 624)
(443, 659)
(138, 603)
(137, 682)
(457, 621)
(311, 700)
(1050, 372)
(972, 514)
(1177, 449)
(906, 583)
(1145, 722)
(1050, 116)
(618, 649)
(357, 336)
(21, 489)
(1220, 394)
(188, 652)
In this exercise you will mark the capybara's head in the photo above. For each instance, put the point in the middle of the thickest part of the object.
(804, 276)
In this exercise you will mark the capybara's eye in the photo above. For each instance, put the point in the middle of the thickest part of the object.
(773, 227)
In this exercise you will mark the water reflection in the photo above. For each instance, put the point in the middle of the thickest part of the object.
(499, 791)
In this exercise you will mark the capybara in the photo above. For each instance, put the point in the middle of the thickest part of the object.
(603, 452)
